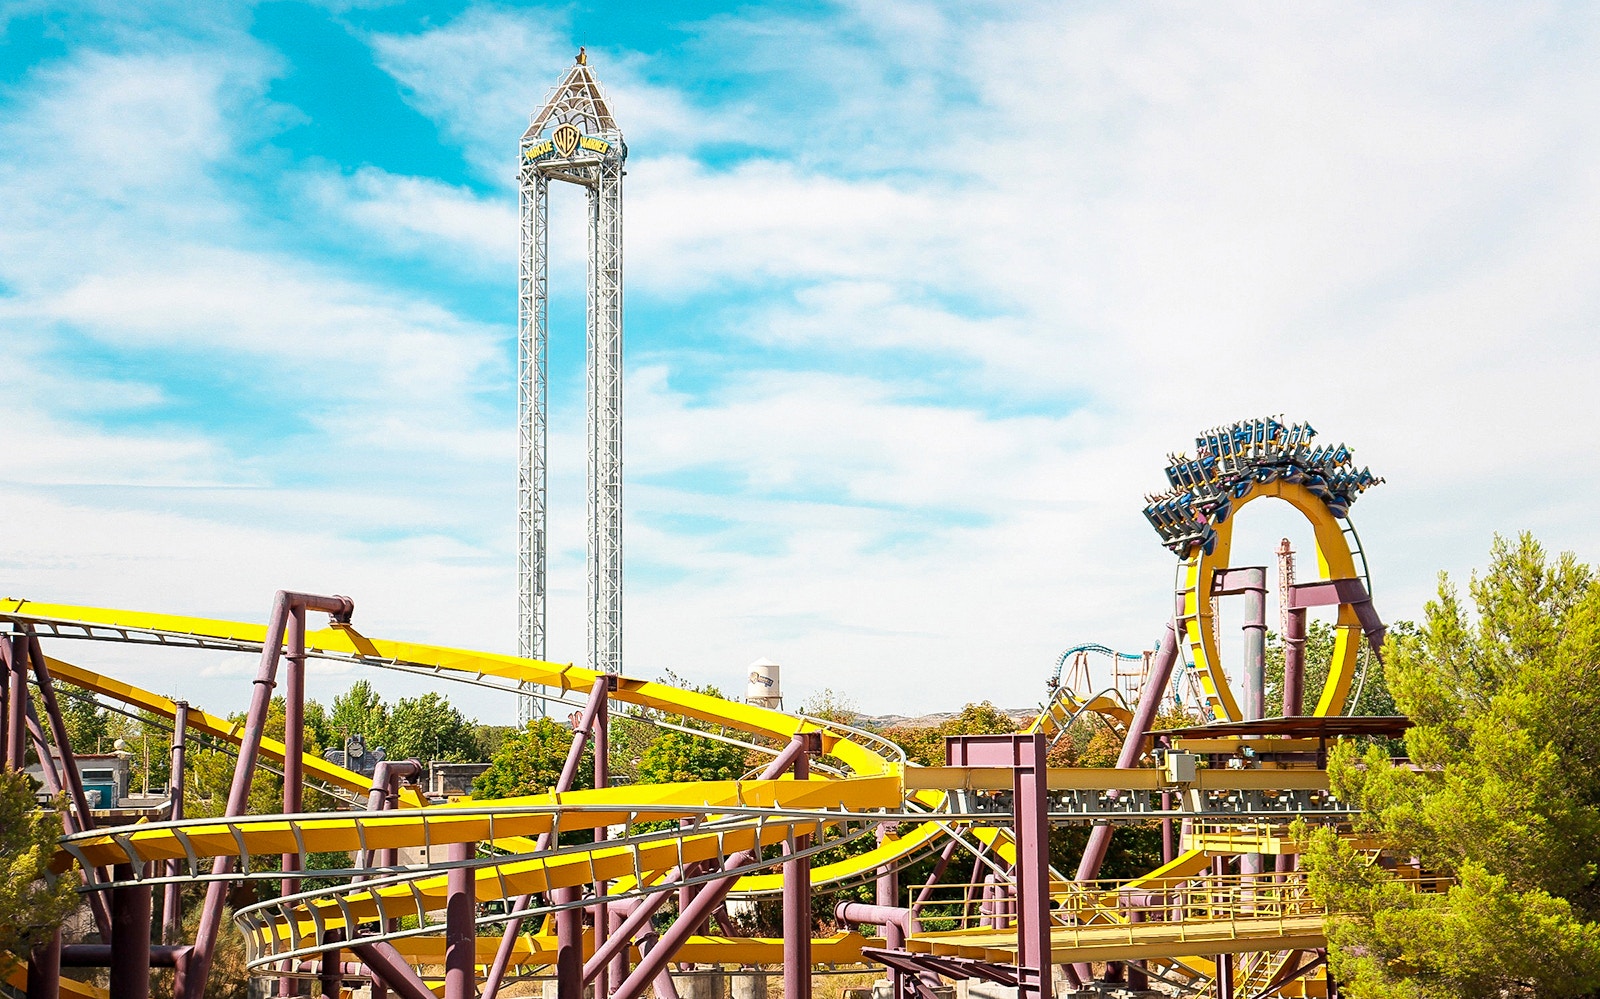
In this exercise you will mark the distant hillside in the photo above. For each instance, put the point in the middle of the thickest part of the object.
(1022, 716)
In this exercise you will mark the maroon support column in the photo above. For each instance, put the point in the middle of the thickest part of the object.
(171, 894)
(130, 938)
(598, 696)
(18, 697)
(283, 603)
(569, 945)
(601, 729)
(44, 969)
(58, 731)
(5, 702)
(1025, 755)
(332, 971)
(1138, 977)
(654, 962)
(1294, 661)
(797, 908)
(294, 738)
(385, 964)
(460, 929)
(1155, 691)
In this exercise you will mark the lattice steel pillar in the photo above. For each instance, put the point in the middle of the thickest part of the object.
(574, 139)
(532, 424)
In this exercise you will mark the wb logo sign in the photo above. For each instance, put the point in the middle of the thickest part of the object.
(566, 138)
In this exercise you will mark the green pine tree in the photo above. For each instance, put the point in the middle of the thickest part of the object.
(1503, 798)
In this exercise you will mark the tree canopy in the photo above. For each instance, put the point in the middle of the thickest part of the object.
(924, 744)
(530, 762)
(31, 906)
(676, 756)
(1502, 797)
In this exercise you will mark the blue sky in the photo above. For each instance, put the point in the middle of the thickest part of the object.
(918, 296)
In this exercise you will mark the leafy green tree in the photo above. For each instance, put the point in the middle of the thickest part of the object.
(359, 711)
(487, 739)
(1504, 798)
(530, 762)
(31, 906)
(675, 757)
(428, 728)
(89, 728)
(319, 729)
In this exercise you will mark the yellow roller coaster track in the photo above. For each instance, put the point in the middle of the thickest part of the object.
(726, 816)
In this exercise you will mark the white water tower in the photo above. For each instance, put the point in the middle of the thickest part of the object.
(762, 688)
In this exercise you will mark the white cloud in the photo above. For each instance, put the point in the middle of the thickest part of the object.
(966, 278)
(419, 216)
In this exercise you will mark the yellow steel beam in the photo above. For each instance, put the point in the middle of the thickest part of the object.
(344, 831)
(1135, 941)
(565, 677)
(18, 978)
(1112, 778)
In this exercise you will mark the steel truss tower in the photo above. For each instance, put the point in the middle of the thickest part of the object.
(573, 139)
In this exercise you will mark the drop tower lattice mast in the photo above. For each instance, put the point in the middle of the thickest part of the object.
(574, 139)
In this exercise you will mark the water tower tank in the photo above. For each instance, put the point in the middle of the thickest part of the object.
(762, 687)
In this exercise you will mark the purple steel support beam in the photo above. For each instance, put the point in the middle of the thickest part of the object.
(569, 944)
(1155, 690)
(599, 697)
(638, 920)
(1327, 592)
(895, 920)
(797, 906)
(294, 745)
(294, 737)
(896, 924)
(460, 928)
(385, 794)
(1251, 581)
(331, 973)
(933, 879)
(887, 885)
(283, 605)
(5, 703)
(386, 965)
(91, 955)
(655, 962)
(44, 969)
(17, 677)
(1294, 661)
(688, 892)
(664, 986)
(171, 894)
(58, 732)
(130, 937)
(1138, 976)
(618, 969)
(601, 730)
(1224, 976)
(1025, 755)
